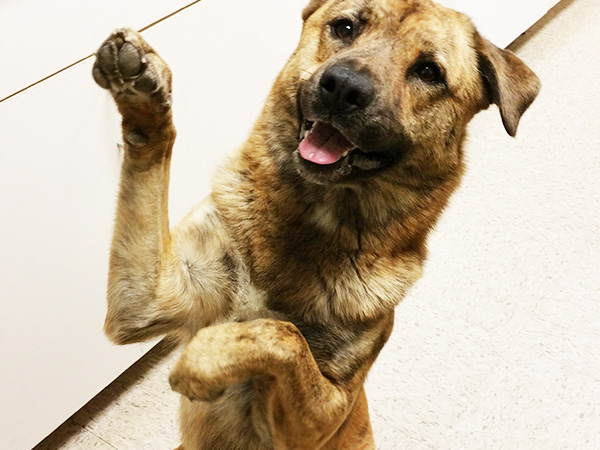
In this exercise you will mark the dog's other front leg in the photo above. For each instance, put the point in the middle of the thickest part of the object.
(305, 409)
(152, 286)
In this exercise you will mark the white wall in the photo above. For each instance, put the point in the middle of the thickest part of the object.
(502, 21)
(39, 38)
(59, 171)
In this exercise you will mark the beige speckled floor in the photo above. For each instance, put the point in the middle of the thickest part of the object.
(498, 346)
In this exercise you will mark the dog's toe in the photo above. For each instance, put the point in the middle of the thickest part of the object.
(129, 61)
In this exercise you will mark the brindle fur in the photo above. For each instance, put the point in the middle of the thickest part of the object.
(283, 282)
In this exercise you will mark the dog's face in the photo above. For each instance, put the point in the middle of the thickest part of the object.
(388, 86)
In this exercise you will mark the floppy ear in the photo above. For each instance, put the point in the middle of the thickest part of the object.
(509, 83)
(311, 8)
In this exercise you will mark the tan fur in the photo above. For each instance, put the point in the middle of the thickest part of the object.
(283, 282)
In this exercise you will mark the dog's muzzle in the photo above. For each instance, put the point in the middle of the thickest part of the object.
(331, 108)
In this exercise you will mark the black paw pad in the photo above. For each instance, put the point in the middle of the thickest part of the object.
(146, 83)
(129, 61)
(107, 58)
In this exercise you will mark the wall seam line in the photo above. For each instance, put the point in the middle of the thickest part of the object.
(90, 56)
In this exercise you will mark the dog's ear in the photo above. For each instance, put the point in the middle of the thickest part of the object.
(311, 8)
(508, 82)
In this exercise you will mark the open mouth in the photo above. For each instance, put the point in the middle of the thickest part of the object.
(325, 149)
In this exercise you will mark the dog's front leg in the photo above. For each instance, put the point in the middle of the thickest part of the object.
(152, 288)
(305, 408)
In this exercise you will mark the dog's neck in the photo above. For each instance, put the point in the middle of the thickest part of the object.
(350, 218)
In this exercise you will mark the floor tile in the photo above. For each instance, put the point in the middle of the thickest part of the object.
(387, 438)
(71, 436)
(530, 402)
(428, 371)
(139, 410)
(566, 330)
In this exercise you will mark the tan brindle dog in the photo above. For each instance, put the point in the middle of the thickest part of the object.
(283, 282)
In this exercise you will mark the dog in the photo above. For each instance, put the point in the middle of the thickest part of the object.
(282, 284)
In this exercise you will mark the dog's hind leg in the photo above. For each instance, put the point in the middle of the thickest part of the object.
(153, 285)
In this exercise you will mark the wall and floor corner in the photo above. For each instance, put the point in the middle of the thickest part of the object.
(496, 347)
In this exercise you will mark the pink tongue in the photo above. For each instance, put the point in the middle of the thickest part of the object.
(324, 145)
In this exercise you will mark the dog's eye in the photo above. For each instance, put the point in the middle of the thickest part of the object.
(429, 72)
(343, 29)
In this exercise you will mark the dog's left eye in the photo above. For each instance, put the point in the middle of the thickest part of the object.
(429, 72)
(343, 29)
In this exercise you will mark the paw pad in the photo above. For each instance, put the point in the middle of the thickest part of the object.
(126, 64)
(129, 61)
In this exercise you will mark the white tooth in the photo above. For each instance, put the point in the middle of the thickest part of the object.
(345, 153)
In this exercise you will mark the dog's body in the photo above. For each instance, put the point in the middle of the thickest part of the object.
(283, 282)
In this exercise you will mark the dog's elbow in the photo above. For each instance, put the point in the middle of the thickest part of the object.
(128, 318)
(119, 332)
(123, 327)
(116, 337)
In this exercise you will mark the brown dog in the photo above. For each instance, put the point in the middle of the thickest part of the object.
(283, 282)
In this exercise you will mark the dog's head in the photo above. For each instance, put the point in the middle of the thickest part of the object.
(382, 84)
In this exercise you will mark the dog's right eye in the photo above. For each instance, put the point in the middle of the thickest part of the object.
(343, 29)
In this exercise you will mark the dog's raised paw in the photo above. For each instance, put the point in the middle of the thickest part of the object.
(126, 65)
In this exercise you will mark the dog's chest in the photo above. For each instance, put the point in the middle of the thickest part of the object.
(321, 284)
(343, 318)
(310, 260)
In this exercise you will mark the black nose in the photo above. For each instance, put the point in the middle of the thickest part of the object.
(343, 90)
